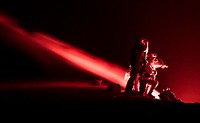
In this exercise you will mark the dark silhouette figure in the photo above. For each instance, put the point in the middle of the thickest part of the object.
(168, 95)
(137, 62)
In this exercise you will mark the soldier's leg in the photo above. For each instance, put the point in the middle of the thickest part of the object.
(154, 84)
(142, 86)
(137, 83)
(129, 85)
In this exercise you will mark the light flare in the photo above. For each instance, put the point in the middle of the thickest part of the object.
(35, 42)
(81, 59)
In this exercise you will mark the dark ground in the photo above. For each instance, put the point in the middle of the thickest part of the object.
(88, 99)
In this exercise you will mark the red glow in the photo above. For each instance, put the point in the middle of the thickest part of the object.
(82, 60)
(57, 84)
(72, 55)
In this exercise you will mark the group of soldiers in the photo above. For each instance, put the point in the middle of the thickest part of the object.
(143, 69)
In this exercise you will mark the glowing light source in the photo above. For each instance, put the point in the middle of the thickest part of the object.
(72, 55)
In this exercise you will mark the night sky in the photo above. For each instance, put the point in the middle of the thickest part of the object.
(106, 29)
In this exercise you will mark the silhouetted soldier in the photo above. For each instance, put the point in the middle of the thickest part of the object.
(137, 62)
(168, 95)
(149, 74)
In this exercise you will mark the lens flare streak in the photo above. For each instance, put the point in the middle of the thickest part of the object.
(34, 42)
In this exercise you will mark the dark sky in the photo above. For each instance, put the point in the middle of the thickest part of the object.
(107, 30)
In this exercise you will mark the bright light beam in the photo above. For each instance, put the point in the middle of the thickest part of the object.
(36, 42)
(81, 59)
(72, 55)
